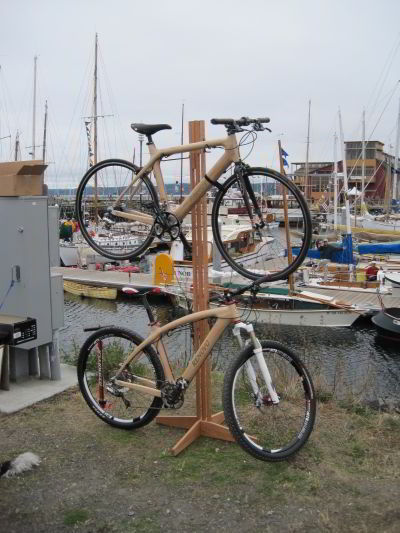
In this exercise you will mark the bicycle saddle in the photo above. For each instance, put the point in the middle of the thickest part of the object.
(149, 129)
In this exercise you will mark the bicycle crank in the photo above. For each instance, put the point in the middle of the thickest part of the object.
(167, 227)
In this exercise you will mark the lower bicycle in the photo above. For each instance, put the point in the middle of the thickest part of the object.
(268, 396)
(121, 213)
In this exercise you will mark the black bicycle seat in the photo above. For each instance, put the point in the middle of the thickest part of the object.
(149, 129)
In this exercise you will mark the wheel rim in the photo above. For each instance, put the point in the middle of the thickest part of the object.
(274, 429)
(113, 236)
(256, 253)
(107, 398)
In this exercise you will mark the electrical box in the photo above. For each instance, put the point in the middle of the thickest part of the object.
(24, 248)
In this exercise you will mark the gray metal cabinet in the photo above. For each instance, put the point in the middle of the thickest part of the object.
(24, 242)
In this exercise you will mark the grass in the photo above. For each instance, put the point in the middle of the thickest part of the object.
(75, 516)
(100, 479)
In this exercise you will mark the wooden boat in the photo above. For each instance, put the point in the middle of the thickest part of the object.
(79, 289)
(278, 307)
(238, 238)
(377, 237)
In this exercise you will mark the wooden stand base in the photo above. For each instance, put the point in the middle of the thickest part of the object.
(197, 427)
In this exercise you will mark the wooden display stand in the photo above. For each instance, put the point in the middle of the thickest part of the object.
(204, 423)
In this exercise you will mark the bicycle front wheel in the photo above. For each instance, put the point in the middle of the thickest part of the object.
(268, 431)
(106, 187)
(257, 250)
(99, 360)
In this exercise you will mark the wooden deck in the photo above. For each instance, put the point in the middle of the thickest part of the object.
(364, 300)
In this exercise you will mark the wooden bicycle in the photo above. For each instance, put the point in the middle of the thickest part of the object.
(268, 396)
(120, 212)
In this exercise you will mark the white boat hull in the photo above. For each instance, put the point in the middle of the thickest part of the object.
(331, 318)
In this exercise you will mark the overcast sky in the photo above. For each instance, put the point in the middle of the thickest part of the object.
(221, 58)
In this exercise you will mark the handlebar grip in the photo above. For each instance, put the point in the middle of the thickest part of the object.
(222, 121)
(263, 120)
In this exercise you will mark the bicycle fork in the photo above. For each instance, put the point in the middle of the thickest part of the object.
(257, 350)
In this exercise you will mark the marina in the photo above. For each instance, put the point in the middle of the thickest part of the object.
(369, 366)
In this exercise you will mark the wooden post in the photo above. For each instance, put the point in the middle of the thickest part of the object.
(286, 219)
(204, 423)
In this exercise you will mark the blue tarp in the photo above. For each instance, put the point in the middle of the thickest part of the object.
(379, 248)
(344, 256)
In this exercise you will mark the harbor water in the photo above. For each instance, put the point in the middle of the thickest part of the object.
(347, 362)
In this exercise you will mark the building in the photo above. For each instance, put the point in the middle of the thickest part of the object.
(378, 170)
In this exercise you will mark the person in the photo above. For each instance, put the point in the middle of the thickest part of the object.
(327, 250)
(371, 272)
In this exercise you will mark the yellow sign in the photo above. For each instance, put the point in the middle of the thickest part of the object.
(163, 271)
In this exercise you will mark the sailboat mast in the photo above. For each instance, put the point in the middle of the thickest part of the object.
(95, 104)
(335, 181)
(363, 159)
(347, 255)
(183, 110)
(17, 149)
(345, 184)
(396, 157)
(95, 129)
(44, 132)
(34, 108)
(307, 188)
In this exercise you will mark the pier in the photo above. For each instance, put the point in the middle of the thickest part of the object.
(107, 278)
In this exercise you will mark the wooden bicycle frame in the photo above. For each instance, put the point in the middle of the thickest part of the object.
(225, 315)
(230, 155)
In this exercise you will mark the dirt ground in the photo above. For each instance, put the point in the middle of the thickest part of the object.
(95, 478)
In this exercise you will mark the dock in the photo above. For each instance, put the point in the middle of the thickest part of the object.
(110, 278)
(364, 300)
(106, 278)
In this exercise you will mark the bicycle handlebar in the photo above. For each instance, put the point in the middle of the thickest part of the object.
(244, 121)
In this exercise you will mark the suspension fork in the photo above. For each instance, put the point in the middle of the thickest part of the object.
(257, 350)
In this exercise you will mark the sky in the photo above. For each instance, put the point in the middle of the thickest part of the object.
(220, 58)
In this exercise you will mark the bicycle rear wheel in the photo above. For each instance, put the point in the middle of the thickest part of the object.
(99, 361)
(261, 252)
(270, 432)
(115, 237)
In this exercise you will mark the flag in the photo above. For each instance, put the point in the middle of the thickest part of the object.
(284, 155)
(90, 151)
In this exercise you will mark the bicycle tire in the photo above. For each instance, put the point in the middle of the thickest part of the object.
(270, 432)
(117, 242)
(148, 365)
(269, 244)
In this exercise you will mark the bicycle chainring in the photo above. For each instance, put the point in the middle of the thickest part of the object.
(167, 227)
(172, 395)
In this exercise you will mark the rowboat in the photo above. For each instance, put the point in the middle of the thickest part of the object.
(278, 307)
(79, 289)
